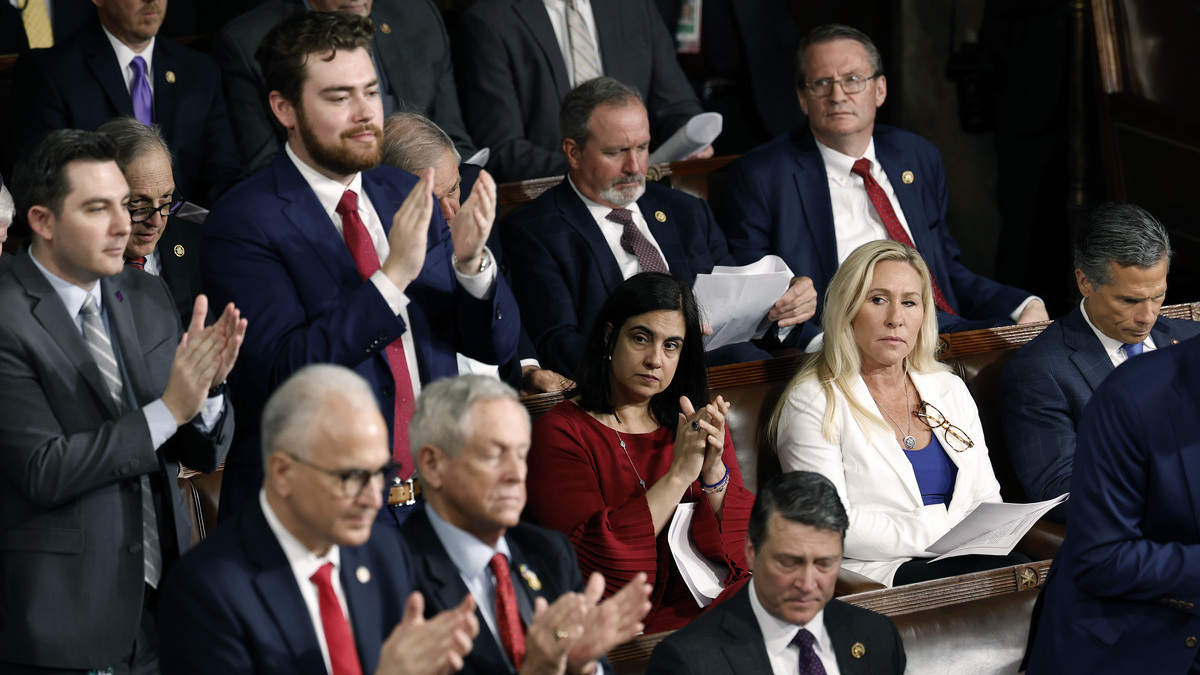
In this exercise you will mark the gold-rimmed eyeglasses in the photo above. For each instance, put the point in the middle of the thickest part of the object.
(956, 438)
(851, 84)
(354, 481)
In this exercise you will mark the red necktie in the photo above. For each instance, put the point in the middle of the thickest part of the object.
(508, 619)
(343, 657)
(139, 262)
(883, 206)
(366, 259)
(634, 242)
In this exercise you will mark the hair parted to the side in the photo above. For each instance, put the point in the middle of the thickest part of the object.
(413, 143)
(839, 363)
(1120, 233)
(40, 176)
(284, 52)
(443, 415)
(579, 104)
(803, 497)
(637, 295)
(829, 33)
(299, 407)
(134, 139)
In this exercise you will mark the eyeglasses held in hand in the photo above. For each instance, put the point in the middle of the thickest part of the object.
(354, 481)
(851, 84)
(956, 438)
(147, 212)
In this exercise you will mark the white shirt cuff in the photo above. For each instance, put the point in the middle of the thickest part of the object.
(162, 425)
(1021, 307)
(394, 297)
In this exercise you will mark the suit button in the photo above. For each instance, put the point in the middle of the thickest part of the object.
(1190, 642)
(124, 471)
(389, 390)
(135, 463)
(135, 486)
(135, 547)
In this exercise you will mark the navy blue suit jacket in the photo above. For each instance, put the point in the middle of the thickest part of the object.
(78, 84)
(232, 605)
(1124, 589)
(1047, 384)
(563, 269)
(777, 201)
(179, 265)
(270, 248)
(545, 553)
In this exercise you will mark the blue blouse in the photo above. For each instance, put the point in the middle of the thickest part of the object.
(935, 472)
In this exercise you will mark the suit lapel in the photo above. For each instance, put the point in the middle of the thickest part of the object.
(844, 634)
(1087, 353)
(120, 317)
(308, 217)
(363, 603)
(666, 233)
(745, 649)
(577, 217)
(533, 14)
(1183, 420)
(102, 61)
(164, 87)
(812, 187)
(908, 194)
(886, 447)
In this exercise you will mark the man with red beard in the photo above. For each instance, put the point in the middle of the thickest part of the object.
(577, 242)
(344, 261)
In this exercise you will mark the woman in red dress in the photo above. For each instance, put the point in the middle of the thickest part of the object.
(610, 466)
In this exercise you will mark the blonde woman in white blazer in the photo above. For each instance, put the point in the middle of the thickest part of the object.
(873, 405)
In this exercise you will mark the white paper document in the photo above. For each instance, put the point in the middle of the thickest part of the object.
(992, 529)
(699, 131)
(734, 301)
(480, 158)
(702, 576)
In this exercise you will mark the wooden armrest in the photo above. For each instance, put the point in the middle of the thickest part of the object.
(1041, 542)
(849, 583)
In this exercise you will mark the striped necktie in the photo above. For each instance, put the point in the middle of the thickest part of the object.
(585, 58)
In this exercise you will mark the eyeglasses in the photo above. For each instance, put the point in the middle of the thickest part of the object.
(354, 481)
(851, 84)
(147, 212)
(956, 438)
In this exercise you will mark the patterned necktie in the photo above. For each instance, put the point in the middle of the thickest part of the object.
(139, 90)
(585, 59)
(37, 24)
(809, 663)
(633, 242)
(1132, 350)
(508, 619)
(366, 259)
(891, 223)
(138, 262)
(96, 339)
(343, 656)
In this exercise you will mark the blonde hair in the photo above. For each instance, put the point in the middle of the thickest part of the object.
(839, 361)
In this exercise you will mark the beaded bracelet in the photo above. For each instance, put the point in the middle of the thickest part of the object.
(718, 486)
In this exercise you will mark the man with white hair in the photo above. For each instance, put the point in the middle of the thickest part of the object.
(8, 210)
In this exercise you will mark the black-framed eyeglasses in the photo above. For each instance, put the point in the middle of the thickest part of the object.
(354, 481)
(956, 438)
(851, 84)
(147, 212)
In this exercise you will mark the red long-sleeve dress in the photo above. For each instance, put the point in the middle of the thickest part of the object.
(582, 484)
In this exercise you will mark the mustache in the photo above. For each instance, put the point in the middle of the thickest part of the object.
(373, 128)
(638, 178)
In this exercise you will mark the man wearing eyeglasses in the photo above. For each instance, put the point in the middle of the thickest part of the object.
(303, 580)
(812, 198)
(144, 153)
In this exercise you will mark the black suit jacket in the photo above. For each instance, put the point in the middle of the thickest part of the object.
(727, 639)
(78, 84)
(512, 78)
(411, 46)
(545, 553)
(70, 465)
(179, 265)
(232, 605)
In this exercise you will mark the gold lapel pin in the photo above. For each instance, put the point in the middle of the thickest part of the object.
(857, 650)
(170, 77)
(362, 574)
(530, 578)
(907, 177)
(178, 250)
(1174, 342)
(660, 216)
(385, 29)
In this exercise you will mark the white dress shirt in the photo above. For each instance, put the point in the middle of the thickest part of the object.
(1114, 347)
(557, 9)
(304, 564)
(612, 231)
(778, 636)
(125, 60)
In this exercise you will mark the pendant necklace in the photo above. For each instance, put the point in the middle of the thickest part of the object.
(631, 464)
(909, 441)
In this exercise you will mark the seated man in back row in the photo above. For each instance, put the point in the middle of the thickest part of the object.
(574, 244)
(802, 195)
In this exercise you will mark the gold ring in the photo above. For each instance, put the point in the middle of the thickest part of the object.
(562, 383)
(560, 634)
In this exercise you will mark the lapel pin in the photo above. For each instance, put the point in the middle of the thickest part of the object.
(1174, 342)
(660, 216)
(907, 177)
(120, 297)
(170, 77)
(363, 575)
(178, 250)
(857, 650)
(385, 29)
(530, 578)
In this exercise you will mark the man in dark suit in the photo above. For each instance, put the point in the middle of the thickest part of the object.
(512, 75)
(568, 252)
(787, 611)
(258, 595)
(87, 80)
(412, 58)
(801, 197)
(1122, 256)
(471, 438)
(340, 260)
(102, 403)
(1123, 593)
(171, 253)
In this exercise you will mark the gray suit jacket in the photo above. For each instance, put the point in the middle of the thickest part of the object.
(70, 507)
(411, 46)
(727, 639)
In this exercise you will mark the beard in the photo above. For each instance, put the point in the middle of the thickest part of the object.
(624, 196)
(343, 158)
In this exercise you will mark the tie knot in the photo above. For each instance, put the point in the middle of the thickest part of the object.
(1132, 350)
(622, 216)
(138, 262)
(803, 639)
(321, 576)
(139, 66)
(862, 167)
(89, 305)
(499, 565)
(348, 203)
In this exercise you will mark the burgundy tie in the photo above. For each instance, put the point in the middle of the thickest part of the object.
(366, 259)
(139, 262)
(809, 663)
(508, 620)
(891, 223)
(343, 657)
(633, 242)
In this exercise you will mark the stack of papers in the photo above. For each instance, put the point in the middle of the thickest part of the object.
(992, 529)
(734, 301)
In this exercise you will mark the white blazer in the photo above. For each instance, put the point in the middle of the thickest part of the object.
(889, 523)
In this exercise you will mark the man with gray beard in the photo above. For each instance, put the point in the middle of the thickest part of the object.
(574, 244)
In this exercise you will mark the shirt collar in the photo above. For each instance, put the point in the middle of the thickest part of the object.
(304, 562)
(470, 555)
(329, 191)
(71, 295)
(777, 633)
(838, 164)
(1110, 345)
(125, 55)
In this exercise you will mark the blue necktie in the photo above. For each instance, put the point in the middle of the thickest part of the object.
(1132, 350)
(139, 90)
